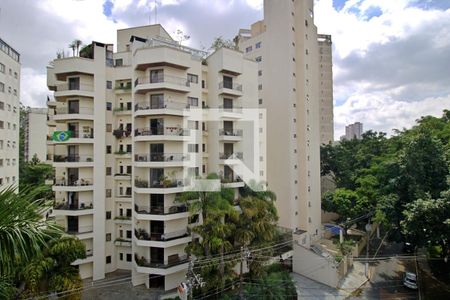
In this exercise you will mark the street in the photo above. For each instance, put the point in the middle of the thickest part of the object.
(386, 276)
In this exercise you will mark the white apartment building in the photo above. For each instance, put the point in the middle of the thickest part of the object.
(35, 134)
(9, 115)
(287, 48)
(326, 89)
(128, 130)
(353, 131)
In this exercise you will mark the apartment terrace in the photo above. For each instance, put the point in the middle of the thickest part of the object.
(161, 213)
(144, 108)
(161, 159)
(161, 133)
(161, 240)
(161, 82)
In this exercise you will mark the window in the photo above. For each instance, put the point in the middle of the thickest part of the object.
(192, 78)
(128, 169)
(1, 162)
(203, 147)
(258, 59)
(248, 49)
(2, 87)
(260, 73)
(119, 62)
(108, 215)
(193, 148)
(1, 125)
(203, 169)
(108, 258)
(2, 105)
(108, 237)
(128, 234)
(1, 144)
(108, 171)
(16, 75)
(193, 101)
(109, 84)
(121, 256)
(258, 45)
(129, 148)
(9, 107)
(15, 92)
(108, 193)
(260, 101)
(108, 106)
(128, 256)
(2, 68)
(108, 127)
(259, 86)
(108, 149)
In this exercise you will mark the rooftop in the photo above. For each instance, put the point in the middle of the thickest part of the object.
(9, 50)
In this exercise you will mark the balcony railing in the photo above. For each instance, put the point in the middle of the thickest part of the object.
(230, 132)
(89, 252)
(230, 85)
(230, 179)
(172, 261)
(162, 79)
(145, 105)
(72, 158)
(70, 111)
(122, 109)
(79, 229)
(161, 157)
(173, 131)
(121, 133)
(79, 182)
(66, 206)
(74, 87)
(234, 109)
(124, 86)
(142, 234)
(160, 210)
(235, 155)
(160, 184)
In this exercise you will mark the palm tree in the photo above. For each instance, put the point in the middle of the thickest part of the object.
(73, 46)
(23, 231)
(77, 44)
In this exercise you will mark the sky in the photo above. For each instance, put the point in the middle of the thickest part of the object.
(391, 58)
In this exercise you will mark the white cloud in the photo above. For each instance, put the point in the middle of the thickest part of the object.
(255, 4)
(33, 88)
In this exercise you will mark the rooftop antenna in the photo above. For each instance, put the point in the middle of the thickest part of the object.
(156, 12)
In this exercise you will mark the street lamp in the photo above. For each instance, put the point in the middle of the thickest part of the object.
(368, 230)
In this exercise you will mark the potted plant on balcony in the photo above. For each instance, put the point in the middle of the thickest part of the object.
(165, 181)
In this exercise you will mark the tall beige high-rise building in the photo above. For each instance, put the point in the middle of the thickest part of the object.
(286, 46)
(9, 115)
(353, 131)
(35, 132)
(129, 130)
(326, 89)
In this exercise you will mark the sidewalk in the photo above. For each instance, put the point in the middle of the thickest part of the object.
(310, 289)
(430, 287)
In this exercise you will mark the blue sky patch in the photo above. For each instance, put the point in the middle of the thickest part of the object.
(373, 12)
(339, 4)
(107, 8)
(431, 4)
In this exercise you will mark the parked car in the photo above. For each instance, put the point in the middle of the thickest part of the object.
(410, 280)
(409, 247)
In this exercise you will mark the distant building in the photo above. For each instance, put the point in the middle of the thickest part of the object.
(353, 131)
(9, 115)
(35, 134)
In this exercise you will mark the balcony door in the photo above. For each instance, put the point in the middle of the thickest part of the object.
(228, 149)
(157, 203)
(156, 76)
(156, 152)
(72, 224)
(157, 255)
(72, 175)
(157, 101)
(74, 106)
(157, 126)
(228, 127)
(228, 173)
(157, 229)
(74, 83)
(73, 200)
(73, 128)
(72, 153)
(227, 82)
(227, 103)
(156, 175)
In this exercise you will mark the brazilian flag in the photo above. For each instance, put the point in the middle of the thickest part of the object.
(61, 136)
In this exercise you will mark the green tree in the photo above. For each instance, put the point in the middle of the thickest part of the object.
(347, 203)
(23, 233)
(33, 174)
(220, 42)
(427, 222)
(272, 286)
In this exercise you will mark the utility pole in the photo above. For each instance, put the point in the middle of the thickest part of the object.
(241, 276)
(193, 280)
(368, 229)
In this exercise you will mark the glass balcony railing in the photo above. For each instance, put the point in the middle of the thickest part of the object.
(161, 157)
(66, 206)
(142, 234)
(160, 210)
(235, 155)
(230, 85)
(78, 182)
(72, 158)
(162, 79)
(172, 131)
(70, 111)
(172, 261)
(230, 132)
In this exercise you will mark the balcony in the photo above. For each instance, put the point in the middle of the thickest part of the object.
(119, 242)
(174, 263)
(230, 88)
(89, 258)
(123, 88)
(161, 186)
(82, 232)
(161, 159)
(72, 161)
(69, 89)
(231, 182)
(122, 111)
(231, 158)
(81, 113)
(123, 220)
(123, 197)
(234, 112)
(80, 185)
(145, 108)
(161, 134)
(122, 154)
(121, 133)
(65, 209)
(122, 176)
(232, 135)
(161, 240)
(77, 137)
(161, 213)
(147, 84)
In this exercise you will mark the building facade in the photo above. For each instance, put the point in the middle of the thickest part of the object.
(130, 131)
(354, 131)
(35, 133)
(287, 48)
(9, 115)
